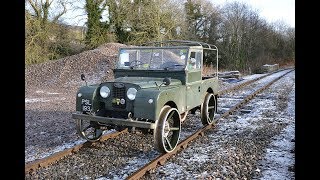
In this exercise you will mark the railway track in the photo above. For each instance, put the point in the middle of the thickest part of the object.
(160, 160)
(33, 166)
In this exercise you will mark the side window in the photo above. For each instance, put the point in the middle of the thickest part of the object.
(194, 62)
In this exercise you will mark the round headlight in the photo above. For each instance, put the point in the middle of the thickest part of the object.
(131, 93)
(104, 91)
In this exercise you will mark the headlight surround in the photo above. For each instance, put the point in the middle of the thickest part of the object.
(104, 91)
(131, 93)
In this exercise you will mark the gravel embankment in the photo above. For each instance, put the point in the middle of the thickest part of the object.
(50, 90)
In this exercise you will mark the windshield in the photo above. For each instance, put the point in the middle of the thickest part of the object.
(153, 59)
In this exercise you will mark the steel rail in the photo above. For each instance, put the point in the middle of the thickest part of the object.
(34, 165)
(161, 159)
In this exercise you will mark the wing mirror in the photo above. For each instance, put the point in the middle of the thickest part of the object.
(166, 81)
(83, 78)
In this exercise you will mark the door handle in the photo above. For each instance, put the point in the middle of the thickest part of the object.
(199, 88)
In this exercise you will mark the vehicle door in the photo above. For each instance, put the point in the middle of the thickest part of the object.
(193, 79)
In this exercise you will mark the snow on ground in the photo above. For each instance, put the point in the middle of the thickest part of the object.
(41, 92)
(232, 149)
(33, 100)
(35, 155)
(131, 166)
(279, 158)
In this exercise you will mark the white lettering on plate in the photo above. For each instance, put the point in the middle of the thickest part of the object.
(86, 108)
(86, 102)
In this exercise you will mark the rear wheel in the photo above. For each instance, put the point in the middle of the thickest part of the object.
(208, 109)
(167, 131)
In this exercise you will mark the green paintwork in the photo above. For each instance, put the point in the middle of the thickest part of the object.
(185, 92)
(146, 82)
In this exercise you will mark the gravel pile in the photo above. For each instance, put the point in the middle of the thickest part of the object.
(50, 90)
(65, 72)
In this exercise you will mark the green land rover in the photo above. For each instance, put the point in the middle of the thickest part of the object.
(155, 86)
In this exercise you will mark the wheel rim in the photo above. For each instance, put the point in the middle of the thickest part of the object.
(89, 130)
(168, 129)
(184, 116)
(208, 109)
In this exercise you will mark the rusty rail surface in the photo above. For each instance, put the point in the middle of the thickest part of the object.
(161, 159)
(34, 165)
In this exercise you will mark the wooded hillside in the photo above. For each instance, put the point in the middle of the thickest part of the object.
(245, 40)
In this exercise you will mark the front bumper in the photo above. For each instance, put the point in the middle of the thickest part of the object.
(115, 121)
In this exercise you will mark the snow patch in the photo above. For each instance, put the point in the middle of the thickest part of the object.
(278, 157)
(36, 155)
(32, 100)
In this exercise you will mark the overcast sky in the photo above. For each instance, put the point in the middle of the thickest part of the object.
(271, 10)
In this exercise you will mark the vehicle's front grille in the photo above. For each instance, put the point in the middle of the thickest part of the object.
(119, 95)
(119, 92)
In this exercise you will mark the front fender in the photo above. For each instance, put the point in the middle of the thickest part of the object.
(142, 106)
(175, 95)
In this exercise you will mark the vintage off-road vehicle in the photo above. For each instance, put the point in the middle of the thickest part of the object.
(155, 86)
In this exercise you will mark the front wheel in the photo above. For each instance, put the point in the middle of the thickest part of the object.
(183, 116)
(89, 130)
(208, 109)
(167, 131)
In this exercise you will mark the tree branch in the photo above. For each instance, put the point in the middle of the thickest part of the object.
(55, 19)
(34, 7)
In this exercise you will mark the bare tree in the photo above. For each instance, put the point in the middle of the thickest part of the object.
(45, 37)
(154, 20)
(42, 10)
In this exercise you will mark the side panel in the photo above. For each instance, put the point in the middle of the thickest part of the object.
(146, 110)
(176, 95)
(193, 88)
(193, 85)
(211, 83)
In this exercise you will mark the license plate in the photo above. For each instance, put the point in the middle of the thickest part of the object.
(86, 105)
